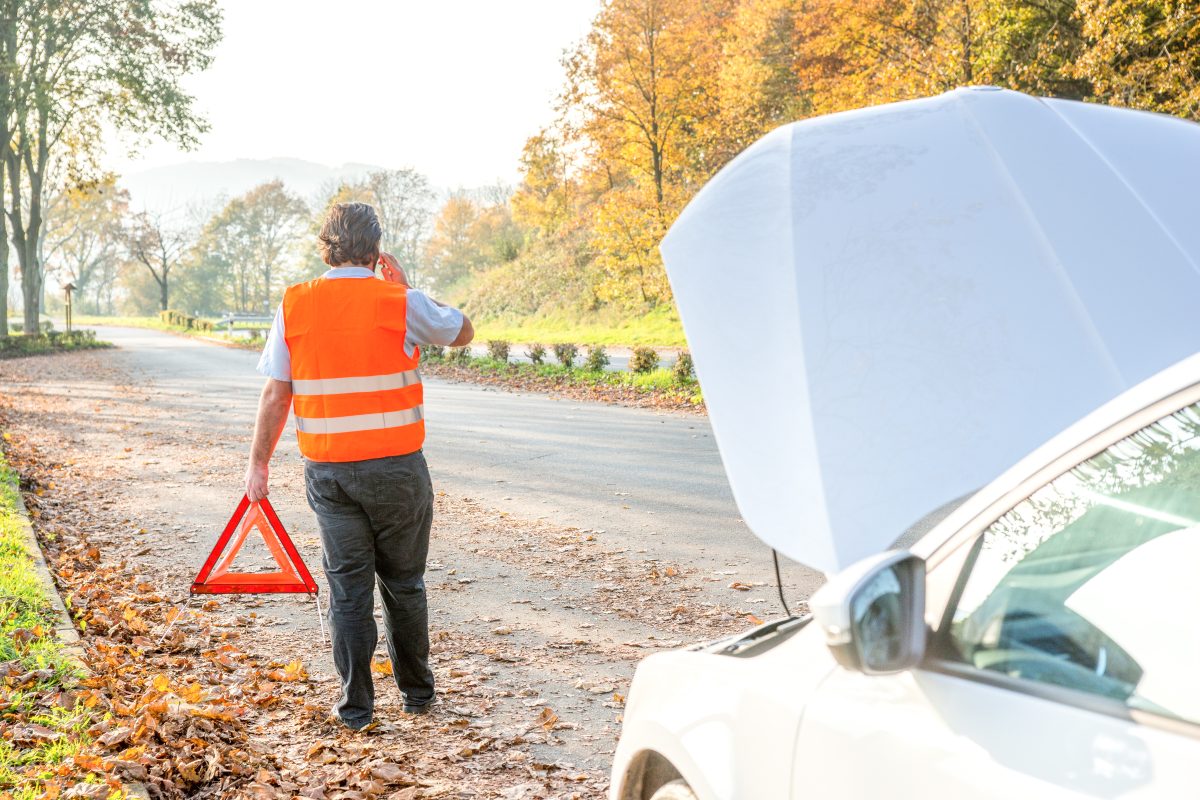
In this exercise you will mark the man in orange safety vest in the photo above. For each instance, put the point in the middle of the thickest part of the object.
(343, 354)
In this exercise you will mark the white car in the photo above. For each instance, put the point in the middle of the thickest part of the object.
(1041, 640)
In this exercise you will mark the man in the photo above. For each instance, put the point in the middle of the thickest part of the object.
(343, 351)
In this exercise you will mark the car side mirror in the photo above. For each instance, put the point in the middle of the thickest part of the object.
(873, 613)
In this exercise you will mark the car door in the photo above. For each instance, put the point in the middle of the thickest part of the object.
(1065, 664)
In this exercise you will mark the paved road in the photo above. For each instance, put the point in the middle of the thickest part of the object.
(649, 480)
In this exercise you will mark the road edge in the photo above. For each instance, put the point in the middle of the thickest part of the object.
(64, 629)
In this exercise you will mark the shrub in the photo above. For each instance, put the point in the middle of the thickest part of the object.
(536, 353)
(644, 359)
(498, 349)
(460, 356)
(179, 319)
(565, 354)
(434, 352)
(53, 342)
(683, 368)
(597, 359)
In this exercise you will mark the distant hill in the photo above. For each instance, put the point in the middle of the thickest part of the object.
(179, 186)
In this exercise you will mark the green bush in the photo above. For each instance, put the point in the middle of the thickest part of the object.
(644, 359)
(434, 352)
(536, 353)
(684, 369)
(460, 356)
(53, 342)
(597, 359)
(566, 354)
(498, 350)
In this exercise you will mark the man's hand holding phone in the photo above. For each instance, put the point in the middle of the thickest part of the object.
(391, 270)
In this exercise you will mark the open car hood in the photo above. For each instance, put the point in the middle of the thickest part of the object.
(888, 307)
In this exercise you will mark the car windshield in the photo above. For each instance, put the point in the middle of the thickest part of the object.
(1091, 582)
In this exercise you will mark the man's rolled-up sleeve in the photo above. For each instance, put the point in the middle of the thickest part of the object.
(429, 323)
(276, 359)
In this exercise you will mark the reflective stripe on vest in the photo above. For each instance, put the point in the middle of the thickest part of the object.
(356, 393)
(361, 422)
(374, 383)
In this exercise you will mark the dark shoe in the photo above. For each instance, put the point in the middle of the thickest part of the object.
(421, 709)
(355, 725)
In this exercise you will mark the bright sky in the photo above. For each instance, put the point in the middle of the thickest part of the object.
(451, 87)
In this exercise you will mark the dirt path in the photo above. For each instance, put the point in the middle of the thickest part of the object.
(536, 628)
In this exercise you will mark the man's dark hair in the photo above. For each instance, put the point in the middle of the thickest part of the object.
(351, 234)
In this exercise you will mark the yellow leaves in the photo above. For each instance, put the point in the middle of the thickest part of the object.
(382, 666)
(191, 693)
(294, 671)
(160, 683)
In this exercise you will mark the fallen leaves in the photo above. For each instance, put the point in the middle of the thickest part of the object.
(294, 671)
(547, 719)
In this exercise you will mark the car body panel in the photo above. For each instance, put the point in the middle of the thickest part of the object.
(922, 732)
(727, 724)
(925, 734)
(939, 286)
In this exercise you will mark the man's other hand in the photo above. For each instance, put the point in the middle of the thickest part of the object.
(256, 482)
(391, 270)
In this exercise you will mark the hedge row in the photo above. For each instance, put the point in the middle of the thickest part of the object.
(179, 319)
(644, 360)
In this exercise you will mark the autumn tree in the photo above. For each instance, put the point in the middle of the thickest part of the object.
(640, 89)
(251, 241)
(69, 66)
(83, 240)
(450, 253)
(1142, 54)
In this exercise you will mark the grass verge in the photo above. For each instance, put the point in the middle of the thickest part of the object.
(43, 726)
(660, 328)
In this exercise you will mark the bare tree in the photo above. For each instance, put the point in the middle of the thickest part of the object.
(157, 247)
(404, 200)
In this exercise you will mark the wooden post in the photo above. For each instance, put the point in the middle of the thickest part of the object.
(70, 287)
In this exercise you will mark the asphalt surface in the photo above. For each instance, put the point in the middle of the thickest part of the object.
(645, 479)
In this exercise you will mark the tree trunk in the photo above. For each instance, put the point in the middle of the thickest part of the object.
(3, 276)
(163, 297)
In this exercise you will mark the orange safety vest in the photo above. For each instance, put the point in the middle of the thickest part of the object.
(356, 393)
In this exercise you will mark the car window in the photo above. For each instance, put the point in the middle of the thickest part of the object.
(1093, 582)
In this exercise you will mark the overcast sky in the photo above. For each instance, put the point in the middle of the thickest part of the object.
(452, 87)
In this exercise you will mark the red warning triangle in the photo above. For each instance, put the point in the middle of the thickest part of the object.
(293, 576)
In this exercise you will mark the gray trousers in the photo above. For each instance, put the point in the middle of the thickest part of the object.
(375, 518)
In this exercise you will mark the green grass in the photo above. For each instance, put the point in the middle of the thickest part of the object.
(659, 327)
(24, 606)
(154, 323)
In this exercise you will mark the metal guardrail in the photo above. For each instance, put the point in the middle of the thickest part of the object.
(231, 321)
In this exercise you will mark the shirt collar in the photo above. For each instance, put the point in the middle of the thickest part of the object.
(349, 272)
